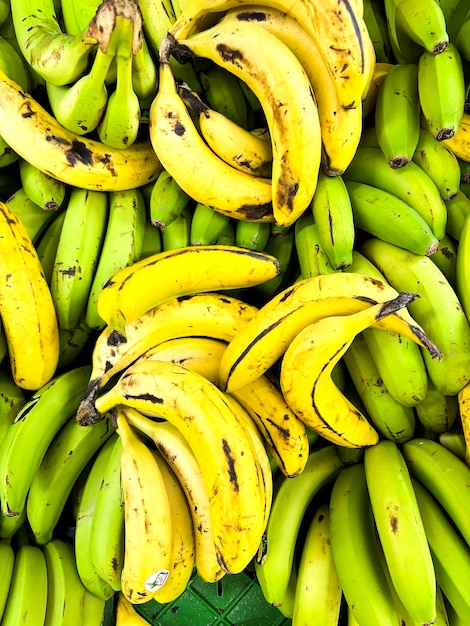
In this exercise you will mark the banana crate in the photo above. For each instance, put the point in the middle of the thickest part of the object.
(235, 600)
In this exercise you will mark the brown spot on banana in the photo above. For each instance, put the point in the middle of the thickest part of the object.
(231, 465)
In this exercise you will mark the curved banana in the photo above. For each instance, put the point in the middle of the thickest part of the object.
(35, 135)
(44, 190)
(47, 246)
(223, 92)
(198, 171)
(219, 440)
(12, 399)
(246, 50)
(167, 200)
(26, 307)
(457, 210)
(424, 23)
(207, 225)
(311, 255)
(257, 347)
(460, 142)
(436, 412)
(126, 295)
(210, 315)
(148, 531)
(7, 562)
(177, 235)
(33, 217)
(126, 613)
(400, 529)
(305, 375)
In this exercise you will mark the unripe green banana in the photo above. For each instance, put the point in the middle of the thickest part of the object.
(178, 233)
(223, 93)
(152, 241)
(457, 210)
(441, 88)
(445, 258)
(424, 23)
(206, 225)
(44, 190)
(252, 235)
(439, 163)
(33, 217)
(167, 200)
(311, 255)
(436, 412)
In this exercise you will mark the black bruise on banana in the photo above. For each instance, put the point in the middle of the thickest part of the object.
(231, 465)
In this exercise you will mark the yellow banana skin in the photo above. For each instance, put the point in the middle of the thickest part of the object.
(35, 135)
(257, 347)
(355, 551)
(26, 307)
(148, 531)
(460, 142)
(227, 456)
(199, 171)
(174, 447)
(126, 613)
(246, 50)
(306, 381)
(214, 315)
(126, 294)
(274, 566)
(400, 529)
(319, 603)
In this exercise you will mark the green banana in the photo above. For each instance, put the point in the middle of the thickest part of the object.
(457, 210)
(312, 258)
(252, 235)
(167, 200)
(424, 23)
(206, 225)
(33, 217)
(152, 240)
(445, 258)
(178, 234)
(224, 94)
(44, 190)
(437, 412)
(12, 399)
(7, 563)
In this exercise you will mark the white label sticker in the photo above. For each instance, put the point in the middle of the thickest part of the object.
(157, 580)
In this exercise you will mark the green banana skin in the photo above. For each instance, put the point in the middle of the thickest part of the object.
(67, 455)
(167, 200)
(273, 570)
(444, 475)
(7, 562)
(73, 341)
(411, 184)
(252, 235)
(12, 398)
(355, 550)
(451, 554)
(47, 246)
(35, 219)
(38, 421)
(462, 266)
(206, 225)
(312, 258)
(438, 310)
(440, 163)
(424, 23)
(383, 215)
(437, 413)
(445, 258)
(223, 93)
(376, 22)
(44, 190)
(13, 64)
(393, 420)
(280, 246)
(178, 233)
(454, 440)
(152, 240)
(400, 529)
(457, 210)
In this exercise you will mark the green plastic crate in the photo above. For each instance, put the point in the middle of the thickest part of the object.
(235, 600)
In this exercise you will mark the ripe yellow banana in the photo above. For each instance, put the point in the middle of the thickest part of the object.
(35, 135)
(306, 381)
(26, 307)
(246, 50)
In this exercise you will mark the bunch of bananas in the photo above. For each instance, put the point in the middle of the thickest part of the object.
(234, 307)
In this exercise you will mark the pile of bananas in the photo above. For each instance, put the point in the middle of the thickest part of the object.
(234, 307)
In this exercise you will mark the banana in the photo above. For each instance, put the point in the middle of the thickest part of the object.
(106, 540)
(333, 214)
(80, 106)
(183, 554)
(77, 16)
(437, 309)
(437, 412)
(12, 61)
(400, 529)
(87, 571)
(25, 604)
(67, 455)
(444, 475)
(376, 22)
(313, 395)
(66, 592)
(7, 563)
(446, 258)
(94, 608)
(39, 420)
(226, 457)
(122, 245)
(178, 453)
(317, 603)
(252, 235)
(7, 155)
(33, 217)
(35, 135)
(296, 156)
(48, 244)
(206, 225)
(454, 438)
(274, 566)
(144, 74)
(12, 399)
(382, 214)
(340, 35)
(463, 252)
(340, 126)
(442, 76)
(223, 92)
(464, 421)
(211, 315)
(240, 148)
(311, 256)
(257, 347)
(424, 23)
(461, 40)
(198, 171)
(280, 246)
(148, 530)
(411, 184)
(213, 268)
(356, 552)
(457, 210)
(56, 56)
(81, 240)
(167, 200)
(26, 305)
(397, 114)
(177, 235)
(370, 96)
(44, 190)
(452, 562)
(126, 613)
(157, 19)
(439, 163)
(391, 419)
(152, 241)
(460, 143)
(119, 126)
(397, 358)
(73, 342)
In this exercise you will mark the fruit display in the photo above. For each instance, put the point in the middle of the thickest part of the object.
(234, 312)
